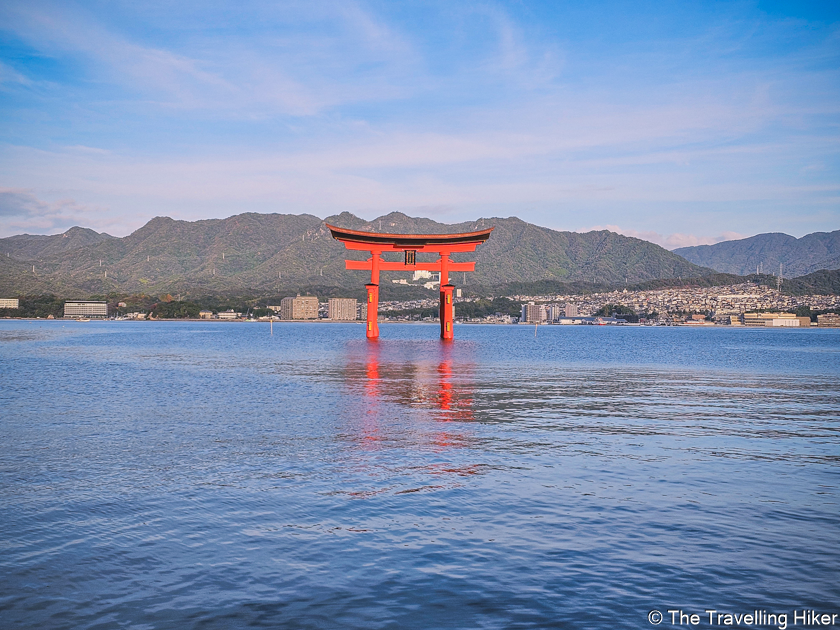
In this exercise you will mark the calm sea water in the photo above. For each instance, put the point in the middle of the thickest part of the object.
(209, 475)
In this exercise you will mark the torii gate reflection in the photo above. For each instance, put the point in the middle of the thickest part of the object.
(428, 384)
(437, 386)
(442, 244)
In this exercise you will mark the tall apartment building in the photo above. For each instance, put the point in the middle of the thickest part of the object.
(553, 312)
(533, 313)
(300, 307)
(286, 305)
(342, 308)
(90, 309)
(571, 310)
(9, 303)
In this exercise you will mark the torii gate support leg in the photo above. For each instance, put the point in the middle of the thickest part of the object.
(447, 312)
(372, 327)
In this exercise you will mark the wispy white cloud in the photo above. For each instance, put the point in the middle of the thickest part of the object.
(518, 58)
(513, 54)
(299, 75)
(58, 28)
(373, 32)
(10, 75)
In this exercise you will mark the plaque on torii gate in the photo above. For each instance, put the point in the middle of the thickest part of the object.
(410, 244)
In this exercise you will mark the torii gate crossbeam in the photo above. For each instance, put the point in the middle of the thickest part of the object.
(411, 244)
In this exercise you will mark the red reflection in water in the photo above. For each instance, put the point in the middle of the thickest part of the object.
(370, 424)
(442, 386)
(445, 381)
(457, 399)
(372, 372)
(397, 392)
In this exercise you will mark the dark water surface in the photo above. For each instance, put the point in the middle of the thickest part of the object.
(208, 475)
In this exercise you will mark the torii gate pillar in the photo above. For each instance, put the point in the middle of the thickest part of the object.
(410, 245)
(447, 312)
(372, 326)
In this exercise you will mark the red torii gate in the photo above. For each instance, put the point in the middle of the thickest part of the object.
(442, 244)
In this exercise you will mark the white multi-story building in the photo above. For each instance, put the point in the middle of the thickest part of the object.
(9, 303)
(90, 309)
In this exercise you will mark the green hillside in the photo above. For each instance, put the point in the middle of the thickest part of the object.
(822, 282)
(278, 254)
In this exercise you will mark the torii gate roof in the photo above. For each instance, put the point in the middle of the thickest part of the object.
(465, 241)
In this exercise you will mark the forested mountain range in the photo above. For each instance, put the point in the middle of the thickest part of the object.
(765, 252)
(36, 246)
(277, 253)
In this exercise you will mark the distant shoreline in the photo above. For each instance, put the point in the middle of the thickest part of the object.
(414, 323)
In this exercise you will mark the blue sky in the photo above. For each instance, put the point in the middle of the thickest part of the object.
(682, 123)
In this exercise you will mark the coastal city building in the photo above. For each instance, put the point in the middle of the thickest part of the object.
(554, 312)
(342, 309)
(229, 314)
(776, 320)
(534, 313)
(205, 314)
(76, 309)
(9, 303)
(829, 320)
(300, 307)
(758, 319)
(432, 279)
(571, 310)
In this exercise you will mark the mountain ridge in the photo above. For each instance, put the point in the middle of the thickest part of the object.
(270, 253)
(765, 252)
(33, 246)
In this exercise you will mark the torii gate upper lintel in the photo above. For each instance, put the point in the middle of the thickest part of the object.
(377, 243)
